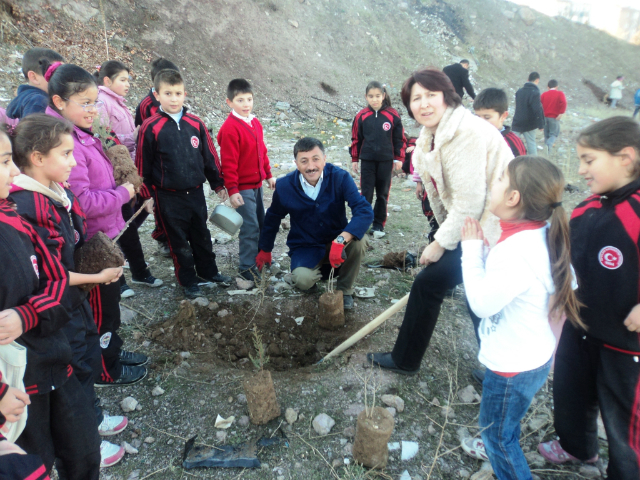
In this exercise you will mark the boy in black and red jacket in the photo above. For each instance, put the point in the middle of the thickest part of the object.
(492, 105)
(175, 156)
(245, 165)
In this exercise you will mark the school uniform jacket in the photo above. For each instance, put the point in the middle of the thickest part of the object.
(315, 223)
(176, 156)
(243, 154)
(377, 136)
(605, 243)
(33, 283)
(62, 230)
(148, 107)
(514, 142)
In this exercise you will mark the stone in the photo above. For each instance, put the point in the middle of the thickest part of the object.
(405, 476)
(469, 395)
(127, 316)
(432, 430)
(448, 412)
(223, 313)
(509, 14)
(396, 208)
(282, 106)
(464, 473)
(435, 401)
(589, 471)
(293, 23)
(185, 355)
(485, 473)
(242, 399)
(149, 440)
(138, 407)
(135, 475)
(291, 416)
(391, 410)
(128, 404)
(537, 422)
(393, 401)
(221, 436)
(244, 284)
(527, 15)
(463, 433)
(323, 424)
(213, 306)
(404, 6)
(409, 450)
(157, 391)
(337, 462)
(223, 238)
(534, 459)
(349, 432)
(244, 421)
(129, 449)
(200, 302)
(348, 449)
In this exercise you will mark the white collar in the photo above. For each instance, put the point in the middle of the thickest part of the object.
(246, 120)
(304, 180)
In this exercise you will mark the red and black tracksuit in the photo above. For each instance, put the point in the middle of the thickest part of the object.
(174, 160)
(515, 143)
(599, 369)
(61, 422)
(148, 107)
(377, 140)
(64, 231)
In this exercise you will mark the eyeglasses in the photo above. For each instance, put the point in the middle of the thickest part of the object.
(87, 107)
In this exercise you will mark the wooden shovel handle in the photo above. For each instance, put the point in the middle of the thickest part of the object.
(126, 225)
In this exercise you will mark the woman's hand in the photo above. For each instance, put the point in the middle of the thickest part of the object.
(419, 191)
(431, 254)
(130, 189)
(632, 322)
(471, 230)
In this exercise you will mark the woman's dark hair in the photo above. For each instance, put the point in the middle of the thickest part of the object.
(612, 135)
(541, 185)
(386, 102)
(432, 79)
(109, 69)
(37, 133)
(67, 80)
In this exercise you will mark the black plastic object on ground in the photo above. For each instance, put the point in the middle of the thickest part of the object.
(227, 456)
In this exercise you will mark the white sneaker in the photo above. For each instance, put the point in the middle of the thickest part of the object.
(112, 425)
(110, 454)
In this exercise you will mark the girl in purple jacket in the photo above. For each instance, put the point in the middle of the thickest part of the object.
(73, 95)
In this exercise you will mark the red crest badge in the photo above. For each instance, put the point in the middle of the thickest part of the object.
(77, 235)
(386, 126)
(610, 258)
(195, 141)
(34, 264)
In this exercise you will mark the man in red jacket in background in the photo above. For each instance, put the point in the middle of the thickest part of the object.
(554, 104)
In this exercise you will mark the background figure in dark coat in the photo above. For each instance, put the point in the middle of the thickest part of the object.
(458, 73)
(529, 114)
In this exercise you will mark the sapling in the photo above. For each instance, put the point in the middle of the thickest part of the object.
(261, 359)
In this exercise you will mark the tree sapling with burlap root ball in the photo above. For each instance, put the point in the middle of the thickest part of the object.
(258, 388)
(331, 307)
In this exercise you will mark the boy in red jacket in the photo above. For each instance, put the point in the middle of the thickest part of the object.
(245, 165)
(554, 104)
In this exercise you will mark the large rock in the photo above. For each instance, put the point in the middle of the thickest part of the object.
(527, 15)
(393, 401)
(323, 424)
(128, 404)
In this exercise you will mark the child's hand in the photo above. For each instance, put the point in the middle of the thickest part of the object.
(419, 191)
(110, 275)
(6, 448)
(130, 189)
(471, 230)
(223, 195)
(272, 183)
(354, 167)
(10, 326)
(410, 149)
(135, 133)
(236, 200)
(632, 322)
(397, 165)
(13, 404)
(149, 206)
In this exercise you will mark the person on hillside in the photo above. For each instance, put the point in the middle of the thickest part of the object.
(32, 97)
(554, 105)
(529, 115)
(245, 165)
(636, 99)
(615, 94)
(458, 156)
(378, 142)
(320, 237)
(458, 73)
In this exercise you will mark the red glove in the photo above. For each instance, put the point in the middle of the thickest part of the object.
(336, 254)
(263, 258)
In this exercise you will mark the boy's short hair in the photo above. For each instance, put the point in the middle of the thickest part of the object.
(168, 77)
(160, 64)
(491, 99)
(238, 86)
(306, 144)
(31, 59)
(533, 76)
(465, 61)
(552, 84)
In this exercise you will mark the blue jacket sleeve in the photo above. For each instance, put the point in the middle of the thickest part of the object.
(37, 104)
(361, 211)
(275, 213)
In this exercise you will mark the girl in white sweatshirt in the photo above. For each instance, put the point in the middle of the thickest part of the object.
(526, 277)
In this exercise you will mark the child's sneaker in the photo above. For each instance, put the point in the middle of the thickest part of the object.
(112, 425)
(219, 278)
(150, 281)
(132, 358)
(474, 447)
(193, 291)
(164, 250)
(126, 291)
(554, 453)
(110, 454)
(129, 376)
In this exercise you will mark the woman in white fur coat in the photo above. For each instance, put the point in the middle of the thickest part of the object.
(458, 157)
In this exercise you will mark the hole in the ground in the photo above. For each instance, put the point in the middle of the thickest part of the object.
(229, 338)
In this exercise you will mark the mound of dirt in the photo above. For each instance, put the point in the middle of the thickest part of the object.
(225, 335)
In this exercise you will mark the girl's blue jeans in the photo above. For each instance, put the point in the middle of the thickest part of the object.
(504, 403)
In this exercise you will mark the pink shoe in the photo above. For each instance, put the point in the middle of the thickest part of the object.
(554, 453)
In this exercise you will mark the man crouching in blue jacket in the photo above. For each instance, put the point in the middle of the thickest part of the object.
(314, 197)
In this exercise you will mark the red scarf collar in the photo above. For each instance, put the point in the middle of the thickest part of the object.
(511, 228)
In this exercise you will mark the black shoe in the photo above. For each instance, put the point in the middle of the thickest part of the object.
(478, 375)
(384, 361)
(252, 274)
(132, 358)
(193, 291)
(218, 278)
(129, 376)
(126, 291)
(347, 301)
(150, 281)
(164, 250)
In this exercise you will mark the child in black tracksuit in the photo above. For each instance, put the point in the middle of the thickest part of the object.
(377, 141)
(175, 156)
(599, 369)
(61, 422)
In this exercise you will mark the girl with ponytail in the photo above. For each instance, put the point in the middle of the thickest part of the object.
(526, 277)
